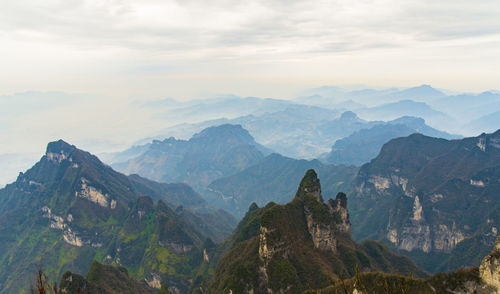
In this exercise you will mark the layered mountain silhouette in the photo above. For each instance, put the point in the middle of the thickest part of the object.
(431, 197)
(70, 209)
(363, 145)
(213, 153)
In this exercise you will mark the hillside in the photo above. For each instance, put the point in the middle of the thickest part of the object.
(298, 246)
(475, 280)
(433, 199)
(70, 209)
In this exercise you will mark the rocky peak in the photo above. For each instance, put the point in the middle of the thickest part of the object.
(349, 116)
(228, 132)
(310, 186)
(324, 221)
(58, 151)
(338, 208)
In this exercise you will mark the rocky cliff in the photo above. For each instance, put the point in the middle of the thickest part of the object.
(301, 245)
(490, 268)
(426, 195)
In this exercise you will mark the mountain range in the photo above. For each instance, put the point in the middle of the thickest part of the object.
(427, 197)
(297, 132)
(70, 209)
(363, 145)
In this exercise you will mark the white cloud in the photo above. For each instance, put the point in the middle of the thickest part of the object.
(108, 46)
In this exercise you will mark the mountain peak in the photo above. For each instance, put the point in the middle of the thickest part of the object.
(226, 131)
(310, 185)
(348, 116)
(59, 150)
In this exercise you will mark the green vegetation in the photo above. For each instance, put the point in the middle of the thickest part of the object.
(291, 262)
(44, 220)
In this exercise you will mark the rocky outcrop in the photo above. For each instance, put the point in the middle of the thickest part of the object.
(323, 235)
(93, 194)
(58, 151)
(489, 270)
(57, 222)
(338, 208)
(324, 221)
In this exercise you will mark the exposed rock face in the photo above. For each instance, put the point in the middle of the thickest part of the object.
(490, 268)
(71, 238)
(154, 282)
(446, 238)
(265, 253)
(319, 224)
(93, 194)
(323, 236)
(59, 151)
(57, 222)
(338, 207)
(423, 193)
(205, 256)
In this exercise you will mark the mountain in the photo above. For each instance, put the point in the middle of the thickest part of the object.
(486, 123)
(361, 146)
(292, 131)
(324, 96)
(214, 107)
(468, 107)
(273, 179)
(297, 131)
(70, 209)
(422, 93)
(210, 154)
(407, 108)
(298, 246)
(431, 197)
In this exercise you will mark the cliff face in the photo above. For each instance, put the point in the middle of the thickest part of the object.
(490, 268)
(298, 246)
(321, 219)
(423, 195)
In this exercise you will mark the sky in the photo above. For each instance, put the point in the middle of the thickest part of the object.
(189, 48)
(76, 69)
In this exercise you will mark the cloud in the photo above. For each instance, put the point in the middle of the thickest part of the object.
(173, 26)
(163, 47)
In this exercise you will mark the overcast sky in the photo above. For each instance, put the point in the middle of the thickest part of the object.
(186, 48)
